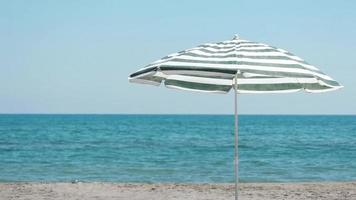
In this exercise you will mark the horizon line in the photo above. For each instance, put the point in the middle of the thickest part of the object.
(326, 114)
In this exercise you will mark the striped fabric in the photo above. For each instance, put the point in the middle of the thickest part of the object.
(212, 67)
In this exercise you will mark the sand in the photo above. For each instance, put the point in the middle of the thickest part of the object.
(118, 191)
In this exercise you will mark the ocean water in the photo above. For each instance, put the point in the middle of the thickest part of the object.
(176, 148)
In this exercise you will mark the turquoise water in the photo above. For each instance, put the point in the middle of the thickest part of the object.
(176, 148)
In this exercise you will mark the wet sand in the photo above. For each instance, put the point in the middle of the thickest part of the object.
(123, 191)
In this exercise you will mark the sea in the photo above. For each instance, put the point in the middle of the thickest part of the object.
(176, 148)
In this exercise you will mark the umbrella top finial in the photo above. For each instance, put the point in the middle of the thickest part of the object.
(236, 37)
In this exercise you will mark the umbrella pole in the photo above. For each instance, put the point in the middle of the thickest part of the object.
(236, 153)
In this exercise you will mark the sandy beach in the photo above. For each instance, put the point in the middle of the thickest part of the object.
(107, 191)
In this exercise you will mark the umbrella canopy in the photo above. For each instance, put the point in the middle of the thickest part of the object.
(248, 67)
(259, 68)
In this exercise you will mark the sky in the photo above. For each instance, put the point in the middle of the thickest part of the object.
(75, 56)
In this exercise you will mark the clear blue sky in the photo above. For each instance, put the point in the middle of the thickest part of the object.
(75, 56)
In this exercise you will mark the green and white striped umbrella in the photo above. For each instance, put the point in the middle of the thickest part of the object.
(248, 67)
(259, 68)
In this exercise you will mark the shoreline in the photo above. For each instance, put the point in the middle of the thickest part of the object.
(179, 191)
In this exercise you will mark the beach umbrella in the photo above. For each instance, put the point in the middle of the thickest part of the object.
(241, 65)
